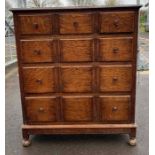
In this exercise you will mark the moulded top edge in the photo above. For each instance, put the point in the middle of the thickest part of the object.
(76, 8)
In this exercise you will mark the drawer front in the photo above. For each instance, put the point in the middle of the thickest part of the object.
(75, 23)
(33, 51)
(116, 22)
(114, 78)
(77, 108)
(76, 79)
(76, 50)
(115, 108)
(39, 79)
(40, 109)
(35, 24)
(116, 49)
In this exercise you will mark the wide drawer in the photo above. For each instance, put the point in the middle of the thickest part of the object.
(40, 109)
(116, 49)
(115, 22)
(39, 79)
(115, 108)
(114, 78)
(75, 23)
(33, 51)
(35, 24)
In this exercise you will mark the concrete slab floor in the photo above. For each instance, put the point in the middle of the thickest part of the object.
(75, 144)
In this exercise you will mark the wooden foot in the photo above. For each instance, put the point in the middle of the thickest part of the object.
(132, 141)
(26, 143)
(132, 137)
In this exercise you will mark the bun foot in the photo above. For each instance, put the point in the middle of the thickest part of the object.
(26, 143)
(132, 141)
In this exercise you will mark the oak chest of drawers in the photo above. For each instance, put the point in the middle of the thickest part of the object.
(77, 70)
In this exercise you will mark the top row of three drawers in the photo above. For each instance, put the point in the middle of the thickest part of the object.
(77, 23)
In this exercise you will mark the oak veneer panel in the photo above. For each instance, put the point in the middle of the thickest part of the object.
(116, 49)
(115, 108)
(40, 109)
(35, 24)
(77, 108)
(76, 50)
(39, 79)
(33, 51)
(114, 78)
(76, 78)
(119, 22)
(76, 23)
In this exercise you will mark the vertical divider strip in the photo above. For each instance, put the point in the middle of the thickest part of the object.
(61, 109)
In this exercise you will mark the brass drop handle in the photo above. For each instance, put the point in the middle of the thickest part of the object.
(35, 25)
(75, 24)
(114, 109)
(114, 79)
(41, 109)
(39, 81)
(116, 22)
(37, 52)
(115, 50)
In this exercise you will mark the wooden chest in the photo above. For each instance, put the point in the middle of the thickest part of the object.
(77, 70)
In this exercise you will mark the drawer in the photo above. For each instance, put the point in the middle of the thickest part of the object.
(39, 79)
(114, 78)
(115, 22)
(116, 49)
(35, 24)
(115, 108)
(33, 51)
(77, 108)
(76, 50)
(40, 109)
(76, 78)
(75, 23)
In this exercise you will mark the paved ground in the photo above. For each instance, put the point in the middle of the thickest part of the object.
(143, 55)
(10, 49)
(74, 145)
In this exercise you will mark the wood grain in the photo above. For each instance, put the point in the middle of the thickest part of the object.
(38, 79)
(115, 108)
(116, 49)
(34, 51)
(76, 50)
(76, 79)
(76, 23)
(77, 108)
(119, 22)
(35, 24)
(115, 78)
(41, 109)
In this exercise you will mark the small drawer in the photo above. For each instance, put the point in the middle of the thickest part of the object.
(113, 78)
(115, 108)
(77, 108)
(116, 49)
(33, 51)
(76, 23)
(35, 24)
(40, 109)
(115, 22)
(76, 50)
(39, 79)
